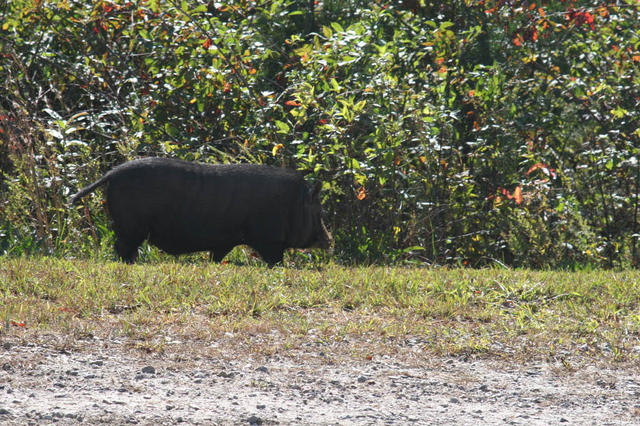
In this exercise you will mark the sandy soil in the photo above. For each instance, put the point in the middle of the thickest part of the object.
(111, 383)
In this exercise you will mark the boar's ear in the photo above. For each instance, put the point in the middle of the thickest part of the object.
(315, 191)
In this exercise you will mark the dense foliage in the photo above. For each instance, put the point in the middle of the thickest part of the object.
(469, 131)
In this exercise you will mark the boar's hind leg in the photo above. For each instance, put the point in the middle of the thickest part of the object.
(218, 253)
(270, 253)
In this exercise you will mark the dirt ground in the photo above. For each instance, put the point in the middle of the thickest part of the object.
(108, 382)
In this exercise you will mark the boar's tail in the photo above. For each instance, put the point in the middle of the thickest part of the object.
(87, 189)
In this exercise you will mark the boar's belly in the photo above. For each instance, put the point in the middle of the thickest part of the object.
(179, 238)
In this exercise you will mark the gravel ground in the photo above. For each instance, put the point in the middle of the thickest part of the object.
(109, 383)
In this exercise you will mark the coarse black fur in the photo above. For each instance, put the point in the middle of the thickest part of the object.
(183, 207)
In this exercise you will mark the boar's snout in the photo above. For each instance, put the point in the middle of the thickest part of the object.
(324, 239)
(318, 236)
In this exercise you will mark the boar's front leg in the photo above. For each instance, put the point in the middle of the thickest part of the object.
(127, 248)
(270, 253)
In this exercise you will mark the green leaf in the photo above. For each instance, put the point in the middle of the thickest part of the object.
(56, 134)
(413, 248)
(200, 9)
(154, 6)
(171, 130)
(337, 27)
(619, 112)
(283, 127)
(327, 31)
(446, 25)
(609, 164)
(346, 59)
(359, 106)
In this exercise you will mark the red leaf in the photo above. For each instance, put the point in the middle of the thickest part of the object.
(588, 18)
(517, 40)
(517, 195)
(293, 103)
(546, 169)
(207, 43)
(580, 17)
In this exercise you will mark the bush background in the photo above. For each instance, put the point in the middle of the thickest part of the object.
(470, 132)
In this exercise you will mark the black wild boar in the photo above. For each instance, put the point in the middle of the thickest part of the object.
(184, 207)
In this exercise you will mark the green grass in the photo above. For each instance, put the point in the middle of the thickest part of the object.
(516, 314)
